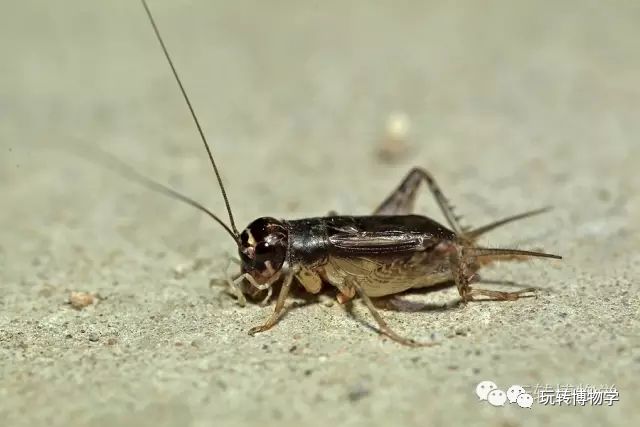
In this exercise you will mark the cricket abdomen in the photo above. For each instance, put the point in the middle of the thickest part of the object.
(386, 276)
(382, 254)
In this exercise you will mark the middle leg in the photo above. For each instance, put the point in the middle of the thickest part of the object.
(385, 329)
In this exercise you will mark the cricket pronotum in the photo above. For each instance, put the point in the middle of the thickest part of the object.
(385, 253)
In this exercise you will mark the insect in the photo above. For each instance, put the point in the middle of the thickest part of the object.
(388, 252)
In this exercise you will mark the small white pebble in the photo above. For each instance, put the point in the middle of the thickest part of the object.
(80, 300)
(398, 126)
(394, 144)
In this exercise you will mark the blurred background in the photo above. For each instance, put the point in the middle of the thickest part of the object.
(310, 107)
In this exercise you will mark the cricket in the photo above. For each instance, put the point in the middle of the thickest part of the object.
(391, 251)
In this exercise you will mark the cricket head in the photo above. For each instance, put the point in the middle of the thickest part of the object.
(263, 248)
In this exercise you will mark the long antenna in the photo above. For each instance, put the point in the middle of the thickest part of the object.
(96, 155)
(193, 114)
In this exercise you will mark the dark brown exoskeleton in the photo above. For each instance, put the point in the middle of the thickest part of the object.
(388, 252)
(377, 255)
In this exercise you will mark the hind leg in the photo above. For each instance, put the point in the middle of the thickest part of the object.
(498, 295)
(402, 200)
(464, 274)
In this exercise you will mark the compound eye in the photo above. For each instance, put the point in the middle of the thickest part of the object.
(263, 248)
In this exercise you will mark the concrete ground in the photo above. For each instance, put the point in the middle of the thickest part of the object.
(512, 106)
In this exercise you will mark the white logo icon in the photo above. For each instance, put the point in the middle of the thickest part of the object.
(489, 391)
(484, 388)
(525, 400)
(513, 392)
(497, 397)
